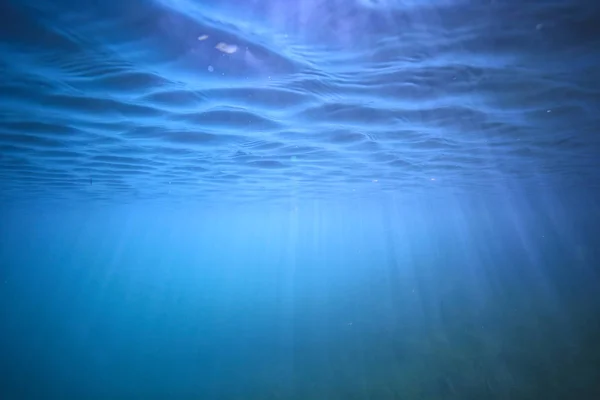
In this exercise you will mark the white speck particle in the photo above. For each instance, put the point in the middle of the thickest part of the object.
(202, 37)
(210, 68)
(226, 48)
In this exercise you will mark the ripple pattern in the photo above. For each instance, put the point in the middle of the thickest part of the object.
(261, 100)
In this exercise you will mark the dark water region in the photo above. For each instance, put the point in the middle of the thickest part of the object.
(322, 303)
(319, 199)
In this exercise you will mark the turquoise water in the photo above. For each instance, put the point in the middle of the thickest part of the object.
(299, 200)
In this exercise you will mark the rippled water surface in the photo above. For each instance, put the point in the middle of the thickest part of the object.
(263, 99)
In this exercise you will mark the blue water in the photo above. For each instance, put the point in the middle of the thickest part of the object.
(319, 199)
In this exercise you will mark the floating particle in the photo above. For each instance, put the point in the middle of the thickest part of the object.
(202, 37)
(210, 68)
(226, 48)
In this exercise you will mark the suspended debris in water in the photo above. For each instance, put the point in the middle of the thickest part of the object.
(226, 48)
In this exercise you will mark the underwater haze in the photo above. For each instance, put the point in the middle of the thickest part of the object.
(299, 199)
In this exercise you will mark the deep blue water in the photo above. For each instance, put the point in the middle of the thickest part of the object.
(319, 199)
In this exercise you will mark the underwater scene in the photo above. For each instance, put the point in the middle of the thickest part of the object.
(299, 200)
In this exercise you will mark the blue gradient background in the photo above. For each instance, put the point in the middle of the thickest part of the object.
(358, 200)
